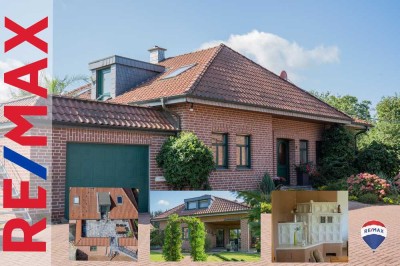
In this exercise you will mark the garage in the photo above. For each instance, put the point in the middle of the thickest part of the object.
(108, 165)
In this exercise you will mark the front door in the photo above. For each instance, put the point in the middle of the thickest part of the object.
(283, 159)
(220, 238)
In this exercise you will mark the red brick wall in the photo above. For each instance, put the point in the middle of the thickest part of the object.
(63, 135)
(204, 120)
(264, 130)
(295, 131)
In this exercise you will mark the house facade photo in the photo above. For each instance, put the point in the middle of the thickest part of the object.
(254, 121)
(103, 223)
(225, 222)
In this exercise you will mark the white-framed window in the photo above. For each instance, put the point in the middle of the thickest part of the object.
(76, 200)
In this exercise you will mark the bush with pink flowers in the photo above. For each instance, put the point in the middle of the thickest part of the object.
(365, 183)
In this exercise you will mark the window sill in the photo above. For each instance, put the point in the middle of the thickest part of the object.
(221, 169)
(239, 168)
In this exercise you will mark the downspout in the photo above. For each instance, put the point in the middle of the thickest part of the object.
(362, 131)
(172, 113)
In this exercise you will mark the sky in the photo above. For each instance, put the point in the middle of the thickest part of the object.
(165, 200)
(24, 53)
(346, 47)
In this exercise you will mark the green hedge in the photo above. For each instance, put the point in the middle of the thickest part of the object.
(186, 161)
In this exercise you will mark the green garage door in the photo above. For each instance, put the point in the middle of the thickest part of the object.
(108, 165)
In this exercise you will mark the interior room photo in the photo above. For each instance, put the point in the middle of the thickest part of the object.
(310, 226)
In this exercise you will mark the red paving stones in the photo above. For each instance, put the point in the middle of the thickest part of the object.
(360, 254)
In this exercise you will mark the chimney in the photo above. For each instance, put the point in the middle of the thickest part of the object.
(283, 75)
(157, 54)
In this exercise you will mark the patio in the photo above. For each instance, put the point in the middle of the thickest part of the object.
(105, 228)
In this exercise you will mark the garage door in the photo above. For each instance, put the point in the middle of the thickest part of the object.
(104, 165)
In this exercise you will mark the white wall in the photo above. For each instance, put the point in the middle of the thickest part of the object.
(343, 200)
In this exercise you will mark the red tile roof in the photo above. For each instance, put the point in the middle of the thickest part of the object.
(222, 74)
(24, 101)
(96, 113)
(82, 92)
(67, 110)
(218, 206)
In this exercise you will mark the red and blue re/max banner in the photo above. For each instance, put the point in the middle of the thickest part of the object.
(16, 115)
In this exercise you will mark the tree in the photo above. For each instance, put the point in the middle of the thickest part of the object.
(186, 161)
(378, 158)
(57, 85)
(258, 201)
(172, 248)
(347, 104)
(338, 155)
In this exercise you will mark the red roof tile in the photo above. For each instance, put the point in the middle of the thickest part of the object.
(218, 206)
(88, 112)
(25, 101)
(221, 74)
(83, 92)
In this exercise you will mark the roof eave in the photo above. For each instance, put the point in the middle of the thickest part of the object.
(256, 108)
(205, 215)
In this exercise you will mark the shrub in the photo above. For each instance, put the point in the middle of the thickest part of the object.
(369, 198)
(365, 183)
(337, 155)
(378, 158)
(197, 238)
(335, 185)
(267, 185)
(266, 207)
(392, 199)
(157, 237)
(172, 248)
(353, 198)
(186, 161)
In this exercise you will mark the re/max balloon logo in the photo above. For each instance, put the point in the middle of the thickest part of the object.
(15, 114)
(373, 233)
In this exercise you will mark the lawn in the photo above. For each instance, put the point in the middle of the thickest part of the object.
(241, 256)
(157, 256)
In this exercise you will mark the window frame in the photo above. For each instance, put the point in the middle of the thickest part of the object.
(122, 199)
(306, 150)
(188, 204)
(205, 200)
(93, 248)
(77, 202)
(247, 147)
(225, 146)
(100, 81)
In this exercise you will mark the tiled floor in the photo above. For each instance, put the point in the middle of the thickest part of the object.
(360, 254)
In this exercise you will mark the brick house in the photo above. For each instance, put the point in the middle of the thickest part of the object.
(105, 220)
(225, 221)
(254, 121)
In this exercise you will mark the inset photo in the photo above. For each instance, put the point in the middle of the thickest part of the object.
(310, 226)
(204, 226)
(103, 224)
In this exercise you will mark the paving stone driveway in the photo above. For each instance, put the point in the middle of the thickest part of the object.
(360, 254)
